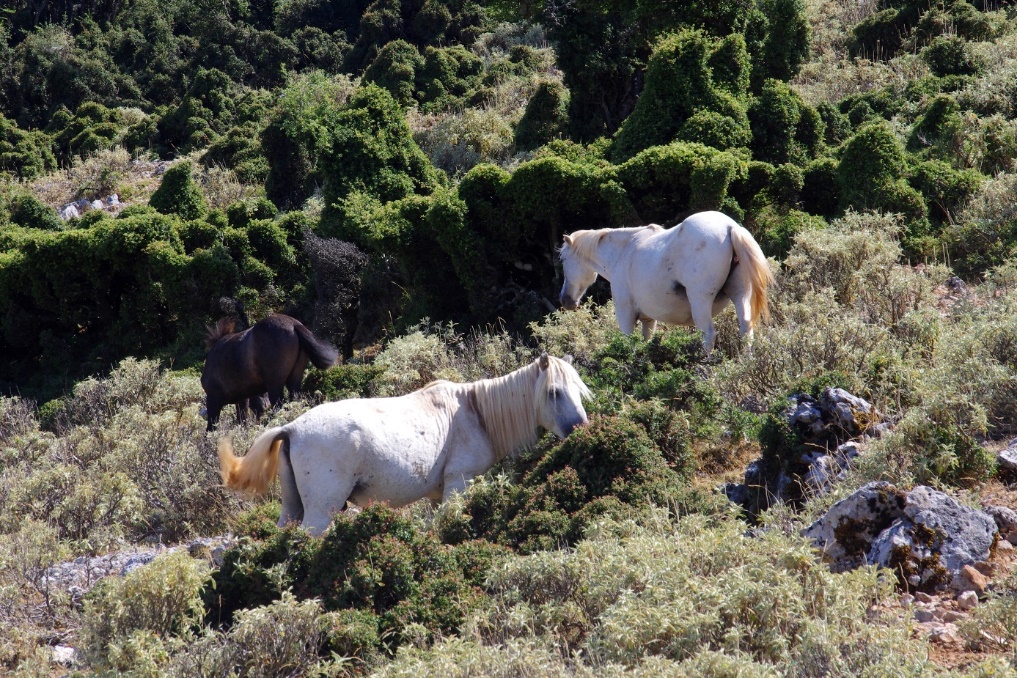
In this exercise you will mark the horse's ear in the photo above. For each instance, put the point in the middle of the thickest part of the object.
(544, 361)
(568, 240)
(567, 358)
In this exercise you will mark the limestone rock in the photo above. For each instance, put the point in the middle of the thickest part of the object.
(845, 534)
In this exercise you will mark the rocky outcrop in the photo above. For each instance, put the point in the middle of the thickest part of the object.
(808, 447)
(927, 538)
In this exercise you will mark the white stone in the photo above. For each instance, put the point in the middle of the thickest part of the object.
(967, 600)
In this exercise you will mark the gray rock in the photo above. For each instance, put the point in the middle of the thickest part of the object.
(96, 204)
(754, 473)
(934, 538)
(69, 212)
(845, 409)
(846, 533)
(112, 200)
(736, 493)
(922, 616)
(1006, 463)
(136, 561)
(821, 474)
(1006, 519)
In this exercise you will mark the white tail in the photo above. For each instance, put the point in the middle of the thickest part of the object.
(255, 471)
(749, 254)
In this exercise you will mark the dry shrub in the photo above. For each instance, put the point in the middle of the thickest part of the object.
(100, 173)
(31, 604)
(844, 304)
(456, 141)
(283, 638)
(580, 333)
(993, 624)
(430, 352)
(130, 458)
(135, 622)
(222, 188)
(679, 598)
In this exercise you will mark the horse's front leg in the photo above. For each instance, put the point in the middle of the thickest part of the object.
(625, 313)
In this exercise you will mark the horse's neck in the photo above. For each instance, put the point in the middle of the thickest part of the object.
(610, 250)
(506, 409)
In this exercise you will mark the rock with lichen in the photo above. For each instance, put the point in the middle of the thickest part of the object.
(934, 539)
(846, 533)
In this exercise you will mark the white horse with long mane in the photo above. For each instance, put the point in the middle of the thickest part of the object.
(683, 275)
(428, 443)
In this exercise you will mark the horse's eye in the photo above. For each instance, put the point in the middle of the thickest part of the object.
(555, 393)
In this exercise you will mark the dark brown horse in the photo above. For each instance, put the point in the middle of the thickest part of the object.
(242, 366)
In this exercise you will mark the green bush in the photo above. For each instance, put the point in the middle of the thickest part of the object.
(343, 381)
(24, 154)
(369, 150)
(938, 132)
(448, 77)
(375, 562)
(545, 118)
(945, 189)
(178, 193)
(784, 128)
(680, 83)
(395, 68)
(950, 55)
(871, 176)
(27, 211)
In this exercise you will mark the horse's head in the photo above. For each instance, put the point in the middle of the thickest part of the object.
(560, 394)
(577, 271)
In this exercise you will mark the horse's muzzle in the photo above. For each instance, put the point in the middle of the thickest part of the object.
(567, 302)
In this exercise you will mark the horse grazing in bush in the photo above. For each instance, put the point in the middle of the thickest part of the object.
(428, 443)
(684, 275)
(241, 367)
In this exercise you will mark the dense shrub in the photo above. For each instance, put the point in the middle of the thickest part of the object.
(369, 152)
(680, 81)
(374, 561)
(784, 128)
(24, 154)
(27, 211)
(871, 176)
(395, 68)
(950, 55)
(546, 116)
(178, 193)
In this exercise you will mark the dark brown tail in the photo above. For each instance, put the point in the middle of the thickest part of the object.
(323, 355)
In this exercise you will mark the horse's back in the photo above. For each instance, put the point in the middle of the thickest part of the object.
(391, 448)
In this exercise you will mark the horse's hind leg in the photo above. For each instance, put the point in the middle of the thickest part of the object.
(743, 309)
(649, 325)
(702, 316)
(319, 509)
(296, 378)
(292, 506)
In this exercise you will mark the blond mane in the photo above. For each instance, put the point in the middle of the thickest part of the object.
(584, 243)
(222, 328)
(508, 404)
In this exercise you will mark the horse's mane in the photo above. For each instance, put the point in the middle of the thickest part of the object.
(222, 328)
(508, 404)
(584, 243)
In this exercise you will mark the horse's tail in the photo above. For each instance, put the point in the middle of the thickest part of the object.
(751, 256)
(323, 354)
(254, 471)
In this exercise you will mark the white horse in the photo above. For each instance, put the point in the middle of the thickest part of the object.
(428, 443)
(684, 275)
